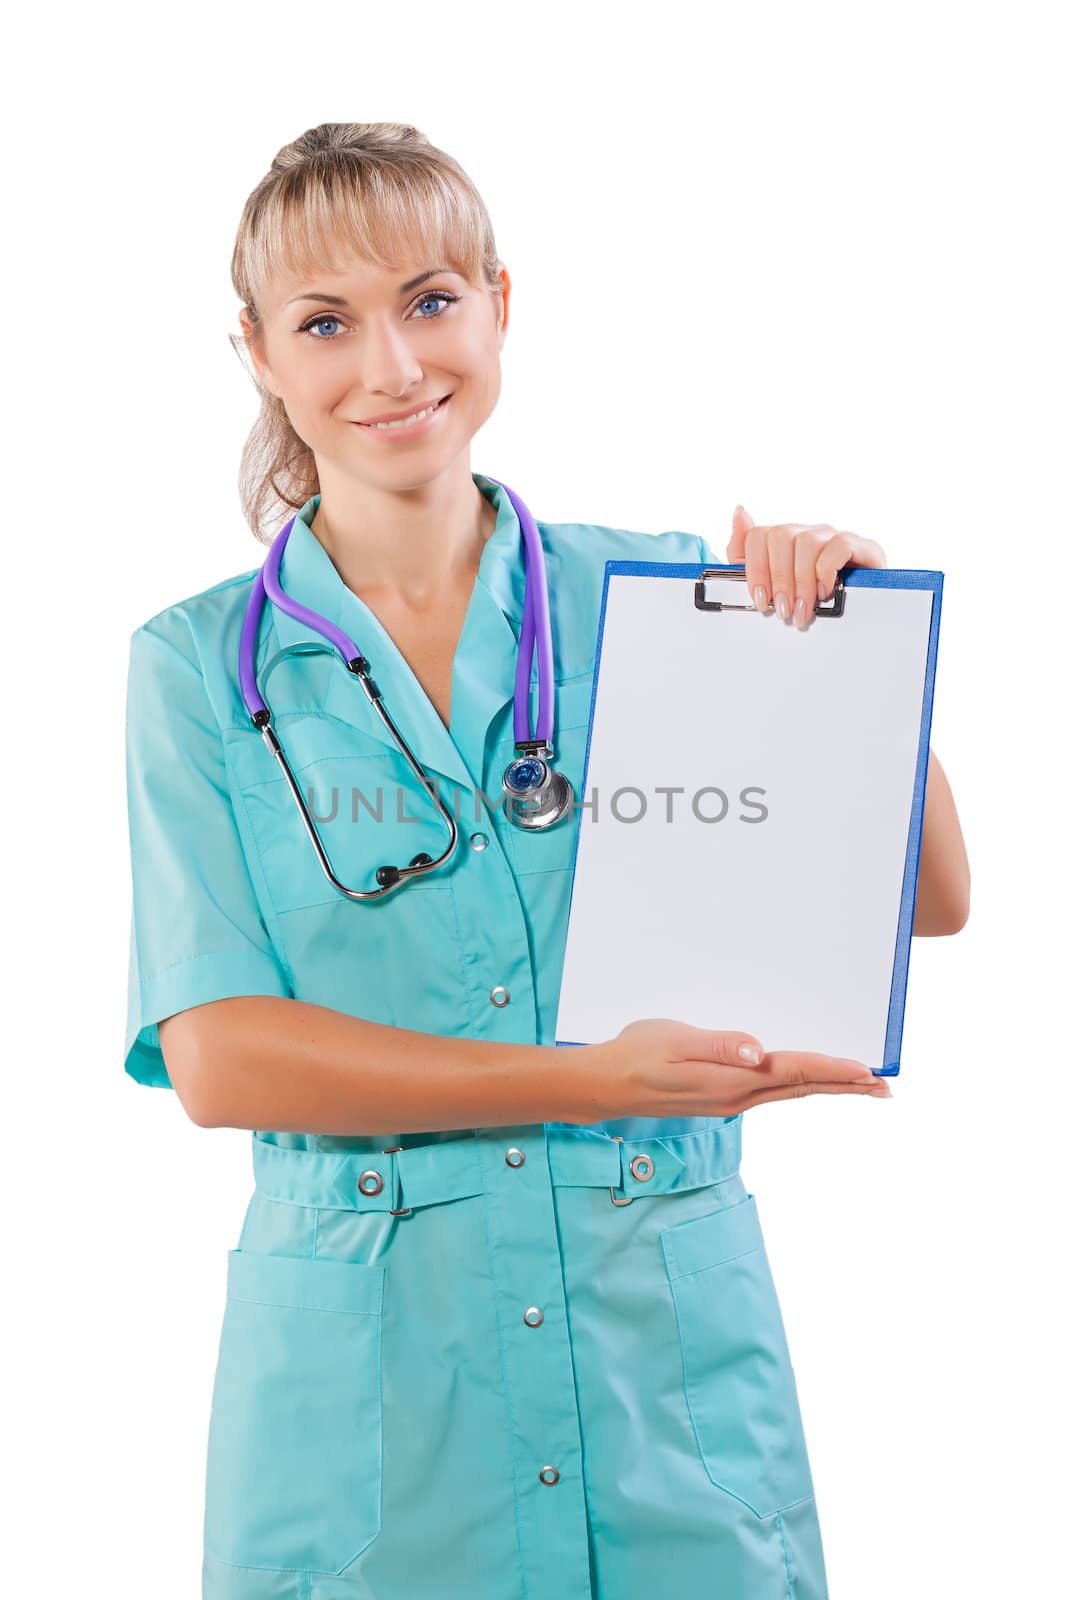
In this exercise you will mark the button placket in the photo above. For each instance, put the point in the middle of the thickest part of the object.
(557, 1349)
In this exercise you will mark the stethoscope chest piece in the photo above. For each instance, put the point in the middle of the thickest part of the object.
(534, 795)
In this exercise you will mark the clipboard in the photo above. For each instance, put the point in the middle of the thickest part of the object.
(776, 892)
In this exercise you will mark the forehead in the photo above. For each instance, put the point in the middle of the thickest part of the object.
(323, 258)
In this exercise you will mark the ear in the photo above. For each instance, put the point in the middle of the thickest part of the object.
(505, 301)
(262, 370)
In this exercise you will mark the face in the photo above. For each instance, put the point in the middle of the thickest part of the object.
(342, 350)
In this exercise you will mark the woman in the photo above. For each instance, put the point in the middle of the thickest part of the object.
(457, 1359)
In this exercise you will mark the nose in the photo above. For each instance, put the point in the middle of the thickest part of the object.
(389, 364)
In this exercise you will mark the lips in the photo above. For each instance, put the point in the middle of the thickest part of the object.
(398, 416)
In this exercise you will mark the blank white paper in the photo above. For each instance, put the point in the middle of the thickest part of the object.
(766, 894)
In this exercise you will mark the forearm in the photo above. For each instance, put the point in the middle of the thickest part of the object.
(265, 1062)
(943, 892)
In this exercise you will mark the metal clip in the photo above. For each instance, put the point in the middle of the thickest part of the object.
(629, 1200)
(399, 1211)
(832, 607)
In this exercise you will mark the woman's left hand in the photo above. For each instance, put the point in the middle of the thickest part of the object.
(796, 562)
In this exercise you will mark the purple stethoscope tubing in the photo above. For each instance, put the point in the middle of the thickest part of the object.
(536, 629)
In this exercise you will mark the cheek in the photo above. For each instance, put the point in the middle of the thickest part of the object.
(481, 378)
(318, 412)
(304, 402)
(318, 380)
(475, 354)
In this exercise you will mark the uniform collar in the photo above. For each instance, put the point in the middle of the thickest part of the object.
(484, 667)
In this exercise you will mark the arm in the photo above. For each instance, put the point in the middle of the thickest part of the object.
(943, 893)
(260, 1061)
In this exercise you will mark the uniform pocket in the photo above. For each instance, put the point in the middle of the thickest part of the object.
(294, 1454)
(737, 1375)
(367, 810)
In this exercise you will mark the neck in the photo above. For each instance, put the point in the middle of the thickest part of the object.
(409, 545)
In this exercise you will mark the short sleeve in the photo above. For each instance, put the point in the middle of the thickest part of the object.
(196, 930)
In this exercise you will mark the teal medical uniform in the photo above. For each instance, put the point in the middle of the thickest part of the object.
(543, 1362)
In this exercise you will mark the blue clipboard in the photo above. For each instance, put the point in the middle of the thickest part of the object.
(706, 591)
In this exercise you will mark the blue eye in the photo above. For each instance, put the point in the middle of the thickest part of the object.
(321, 317)
(316, 322)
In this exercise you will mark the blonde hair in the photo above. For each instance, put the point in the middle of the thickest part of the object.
(377, 190)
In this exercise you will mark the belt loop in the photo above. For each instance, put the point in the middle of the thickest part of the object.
(614, 1199)
(399, 1211)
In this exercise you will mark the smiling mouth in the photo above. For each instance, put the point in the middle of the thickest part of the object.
(407, 422)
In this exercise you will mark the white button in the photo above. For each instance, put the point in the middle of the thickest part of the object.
(479, 841)
(499, 996)
(534, 1317)
(515, 1157)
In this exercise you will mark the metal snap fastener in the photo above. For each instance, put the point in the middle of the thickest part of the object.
(499, 996)
(515, 1157)
(371, 1182)
(647, 1166)
(534, 1317)
(479, 841)
(549, 1474)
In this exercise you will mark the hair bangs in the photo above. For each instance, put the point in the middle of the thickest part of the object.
(319, 221)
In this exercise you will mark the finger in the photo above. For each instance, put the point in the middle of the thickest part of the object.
(799, 1066)
(864, 552)
(758, 569)
(877, 1089)
(806, 547)
(721, 1047)
(834, 554)
(780, 555)
(736, 550)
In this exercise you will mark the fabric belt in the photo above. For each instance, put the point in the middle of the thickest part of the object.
(400, 1178)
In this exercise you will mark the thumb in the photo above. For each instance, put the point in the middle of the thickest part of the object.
(735, 550)
(726, 1046)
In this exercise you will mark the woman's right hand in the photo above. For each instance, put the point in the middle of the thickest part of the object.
(657, 1067)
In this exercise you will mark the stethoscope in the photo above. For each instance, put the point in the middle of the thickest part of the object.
(534, 795)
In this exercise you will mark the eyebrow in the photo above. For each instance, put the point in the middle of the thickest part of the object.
(337, 300)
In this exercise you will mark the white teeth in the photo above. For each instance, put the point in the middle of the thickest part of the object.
(406, 422)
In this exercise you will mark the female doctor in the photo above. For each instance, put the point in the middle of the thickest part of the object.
(499, 1322)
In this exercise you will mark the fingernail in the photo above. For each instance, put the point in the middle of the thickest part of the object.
(748, 1052)
(781, 605)
(760, 597)
(800, 611)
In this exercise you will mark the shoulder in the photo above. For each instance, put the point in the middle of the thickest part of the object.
(197, 637)
(592, 544)
(197, 616)
(576, 554)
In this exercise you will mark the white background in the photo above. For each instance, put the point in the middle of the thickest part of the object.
(806, 257)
